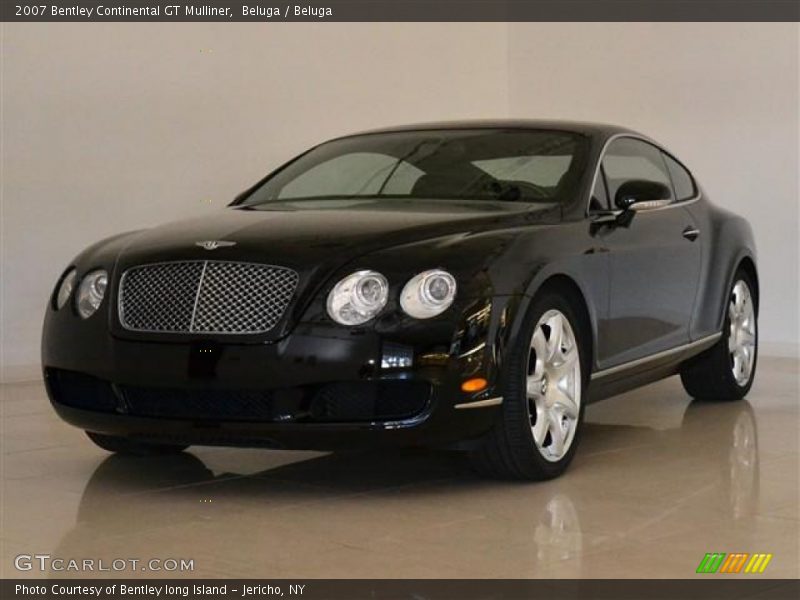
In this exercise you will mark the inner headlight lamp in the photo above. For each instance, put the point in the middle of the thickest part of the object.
(91, 293)
(358, 298)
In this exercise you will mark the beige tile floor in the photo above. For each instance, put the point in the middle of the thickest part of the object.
(658, 482)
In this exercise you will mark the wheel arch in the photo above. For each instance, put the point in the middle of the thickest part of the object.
(748, 265)
(575, 295)
(745, 261)
(571, 289)
(729, 246)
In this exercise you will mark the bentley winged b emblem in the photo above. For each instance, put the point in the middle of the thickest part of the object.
(214, 244)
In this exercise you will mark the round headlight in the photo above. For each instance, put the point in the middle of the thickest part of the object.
(358, 298)
(91, 293)
(428, 294)
(65, 288)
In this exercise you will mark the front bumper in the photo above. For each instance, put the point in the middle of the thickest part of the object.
(321, 387)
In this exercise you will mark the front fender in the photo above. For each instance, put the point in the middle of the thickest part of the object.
(569, 258)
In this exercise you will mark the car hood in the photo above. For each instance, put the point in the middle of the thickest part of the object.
(312, 235)
(318, 240)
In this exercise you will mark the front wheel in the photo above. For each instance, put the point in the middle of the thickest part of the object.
(726, 370)
(123, 445)
(537, 433)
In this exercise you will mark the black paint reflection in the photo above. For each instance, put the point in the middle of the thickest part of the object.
(138, 505)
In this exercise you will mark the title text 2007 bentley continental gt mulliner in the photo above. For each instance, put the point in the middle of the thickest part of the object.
(470, 285)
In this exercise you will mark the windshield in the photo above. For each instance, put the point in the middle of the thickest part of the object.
(456, 164)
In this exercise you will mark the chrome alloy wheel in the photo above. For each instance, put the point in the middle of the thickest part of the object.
(554, 385)
(742, 334)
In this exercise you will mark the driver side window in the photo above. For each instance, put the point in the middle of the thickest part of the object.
(627, 159)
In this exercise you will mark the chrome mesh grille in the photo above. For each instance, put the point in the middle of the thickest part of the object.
(159, 297)
(205, 297)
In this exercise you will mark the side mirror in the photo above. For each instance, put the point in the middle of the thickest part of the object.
(639, 194)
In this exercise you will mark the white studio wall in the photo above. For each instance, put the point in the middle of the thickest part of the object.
(723, 96)
(113, 127)
(109, 128)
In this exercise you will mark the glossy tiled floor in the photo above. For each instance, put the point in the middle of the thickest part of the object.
(658, 482)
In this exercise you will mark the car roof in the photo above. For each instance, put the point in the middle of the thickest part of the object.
(602, 130)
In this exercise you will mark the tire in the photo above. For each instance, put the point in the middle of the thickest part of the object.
(123, 445)
(510, 450)
(716, 374)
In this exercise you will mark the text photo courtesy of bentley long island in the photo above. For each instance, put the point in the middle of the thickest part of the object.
(470, 285)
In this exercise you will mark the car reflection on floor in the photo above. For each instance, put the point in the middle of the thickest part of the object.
(293, 515)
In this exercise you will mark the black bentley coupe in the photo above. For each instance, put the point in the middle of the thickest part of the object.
(471, 285)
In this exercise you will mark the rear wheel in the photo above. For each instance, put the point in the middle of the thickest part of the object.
(726, 370)
(538, 430)
(123, 445)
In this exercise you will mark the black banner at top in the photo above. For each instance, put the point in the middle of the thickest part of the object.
(398, 10)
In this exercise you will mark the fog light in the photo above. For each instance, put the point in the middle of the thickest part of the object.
(396, 356)
(474, 385)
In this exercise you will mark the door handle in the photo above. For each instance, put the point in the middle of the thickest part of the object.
(691, 233)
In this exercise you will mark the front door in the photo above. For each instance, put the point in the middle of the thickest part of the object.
(654, 263)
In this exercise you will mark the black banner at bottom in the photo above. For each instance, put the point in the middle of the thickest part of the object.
(399, 589)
